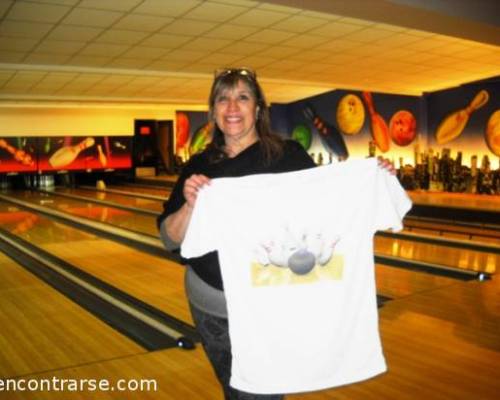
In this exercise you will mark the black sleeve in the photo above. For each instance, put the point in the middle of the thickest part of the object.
(176, 199)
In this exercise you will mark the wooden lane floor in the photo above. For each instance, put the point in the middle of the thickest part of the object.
(133, 221)
(154, 280)
(397, 283)
(117, 198)
(456, 200)
(136, 188)
(42, 330)
(464, 231)
(438, 254)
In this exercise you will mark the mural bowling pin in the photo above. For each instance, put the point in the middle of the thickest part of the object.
(102, 158)
(329, 134)
(379, 129)
(453, 125)
(67, 154)
(19, 155)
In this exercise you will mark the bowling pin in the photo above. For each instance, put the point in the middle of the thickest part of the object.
(18, 155)
(66, 155)
(329, 134)
(453, 125)
(102, 158)
(379, 128)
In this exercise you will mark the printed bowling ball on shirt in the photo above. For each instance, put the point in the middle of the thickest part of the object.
(403, 128)
(301, 262)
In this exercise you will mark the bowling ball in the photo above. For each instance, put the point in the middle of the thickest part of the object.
(181, 129)
(402, 128)
(302, 134)
(301, 262)
(492, 134)
(350, 114)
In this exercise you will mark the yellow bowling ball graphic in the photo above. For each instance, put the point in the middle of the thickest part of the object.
(350, 114)
(493, 133)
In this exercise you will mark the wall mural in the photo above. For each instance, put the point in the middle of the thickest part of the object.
(341, 124)
(447, 140)
(58, 153)
(18, 154)
(192, 134)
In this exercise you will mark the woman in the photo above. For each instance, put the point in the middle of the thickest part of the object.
(242, 144)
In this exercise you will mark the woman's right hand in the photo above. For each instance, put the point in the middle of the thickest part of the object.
(191, 187)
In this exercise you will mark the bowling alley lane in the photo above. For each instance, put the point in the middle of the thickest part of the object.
(405, 249)
(112, 197)
(397, 283)
(456, 200)
(42, 330)
(142, 189)
(151, 279)
(145, 224)
(480, 234)
(438, 254)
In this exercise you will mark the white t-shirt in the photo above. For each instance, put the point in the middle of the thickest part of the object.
(296, 257)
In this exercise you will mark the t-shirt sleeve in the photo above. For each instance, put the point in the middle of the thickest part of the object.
(201, 235)
(391, 202)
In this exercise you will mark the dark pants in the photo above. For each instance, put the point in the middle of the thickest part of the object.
(215, 339)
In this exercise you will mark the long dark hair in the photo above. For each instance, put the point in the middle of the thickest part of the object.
(271, 145)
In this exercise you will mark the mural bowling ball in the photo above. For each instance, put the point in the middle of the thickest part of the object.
(302, 134)
(350, 114)
(402, 128)
(301, 262)
(493, 133)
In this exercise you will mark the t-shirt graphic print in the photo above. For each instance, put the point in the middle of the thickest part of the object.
(296, 257)
(293, 255)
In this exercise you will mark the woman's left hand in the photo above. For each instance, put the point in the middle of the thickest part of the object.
(386, 164)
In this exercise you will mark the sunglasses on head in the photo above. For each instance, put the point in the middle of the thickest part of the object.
(235, 71)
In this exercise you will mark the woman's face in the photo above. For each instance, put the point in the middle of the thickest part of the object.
(235, 112)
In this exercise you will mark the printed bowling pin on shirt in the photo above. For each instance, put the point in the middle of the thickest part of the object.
(379, 128)
(66, 155)
(453, 125)
(102, 158)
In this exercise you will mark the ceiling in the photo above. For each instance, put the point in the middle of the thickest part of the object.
(165, 51)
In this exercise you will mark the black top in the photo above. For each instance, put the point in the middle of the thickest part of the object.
(248, 162)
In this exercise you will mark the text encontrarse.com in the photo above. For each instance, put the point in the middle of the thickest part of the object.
(55, 384)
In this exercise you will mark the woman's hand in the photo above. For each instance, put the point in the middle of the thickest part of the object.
(191, 187)
(386, 164)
